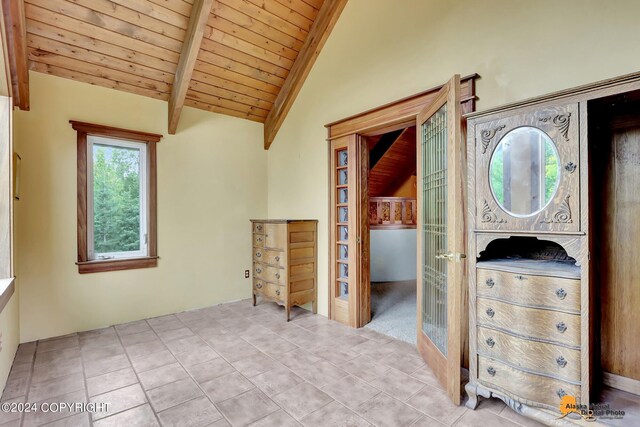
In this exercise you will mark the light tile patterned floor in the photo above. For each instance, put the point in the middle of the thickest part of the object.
(234, 364)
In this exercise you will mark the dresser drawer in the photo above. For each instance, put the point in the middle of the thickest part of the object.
(525, 387)
(269, 290)
(259, 285)
(558, 361)
(271, 257)
(270, 274)
(537, 291)
(275, 236)
(258, 240)
(258, 227)
(275, 292)
(530, 322)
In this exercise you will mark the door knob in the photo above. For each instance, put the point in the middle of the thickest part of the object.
(451, 256)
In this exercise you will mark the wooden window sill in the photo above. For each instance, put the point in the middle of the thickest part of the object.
(7, 287)
(116, 264)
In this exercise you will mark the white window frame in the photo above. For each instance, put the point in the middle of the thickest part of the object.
(144, 198)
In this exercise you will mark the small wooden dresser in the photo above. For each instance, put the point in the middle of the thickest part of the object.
(285, 258)
(528, 329)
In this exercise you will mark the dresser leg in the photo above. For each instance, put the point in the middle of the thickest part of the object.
(254, 300)
(472, 392)
(314, 307)
(288, 310)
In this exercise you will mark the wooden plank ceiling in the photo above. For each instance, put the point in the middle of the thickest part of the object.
(243, 54)
(395, 164)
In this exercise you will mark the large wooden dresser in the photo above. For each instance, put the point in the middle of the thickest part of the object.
(285, 254)
(528, 258)
(528, 329)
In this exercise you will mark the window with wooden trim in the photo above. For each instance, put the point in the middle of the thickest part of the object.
(116, 198)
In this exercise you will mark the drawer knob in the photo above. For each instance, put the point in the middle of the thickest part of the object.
(490, 312)
(277, 275)
(561, 293)
(490, 342)
(259, 239)
(490, 283)
(258, 270)
(561, 361)
(258, 285)
(561, 327)
(520, 277)
(259, 228)
(277, 259)
(491, 371)
(258, 254)
(278, 292)
(561, 393)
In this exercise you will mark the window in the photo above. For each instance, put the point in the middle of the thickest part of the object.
(116, 198)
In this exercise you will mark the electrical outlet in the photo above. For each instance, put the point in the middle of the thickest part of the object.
(246, 274)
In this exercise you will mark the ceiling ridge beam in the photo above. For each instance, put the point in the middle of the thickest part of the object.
(190, 48)
(318, 35)
(15, 27)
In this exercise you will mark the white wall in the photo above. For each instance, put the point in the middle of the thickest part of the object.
(384, 50)
(393, 255)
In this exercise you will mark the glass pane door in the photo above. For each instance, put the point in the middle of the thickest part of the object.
(434, 228)
(441, 231)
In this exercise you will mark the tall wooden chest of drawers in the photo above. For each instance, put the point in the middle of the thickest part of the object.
(285, 254)
(528, 329)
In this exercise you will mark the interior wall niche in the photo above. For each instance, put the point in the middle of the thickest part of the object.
(525, 248)
(614, 165)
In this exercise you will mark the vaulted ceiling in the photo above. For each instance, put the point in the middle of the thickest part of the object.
(393, 161)
(244, 58)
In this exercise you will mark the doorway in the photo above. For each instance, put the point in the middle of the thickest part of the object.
(441, 289)
(392, 212)
(348, 204)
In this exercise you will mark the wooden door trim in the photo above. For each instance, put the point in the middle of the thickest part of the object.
(399, 113)
(363, 283)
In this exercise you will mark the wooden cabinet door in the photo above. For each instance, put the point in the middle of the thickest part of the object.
(441, 228)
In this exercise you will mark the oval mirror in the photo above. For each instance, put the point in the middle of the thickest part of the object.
(524, 171)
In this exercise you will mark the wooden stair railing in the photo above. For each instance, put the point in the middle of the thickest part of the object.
(392, 212)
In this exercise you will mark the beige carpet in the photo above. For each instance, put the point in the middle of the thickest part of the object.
(393, 309)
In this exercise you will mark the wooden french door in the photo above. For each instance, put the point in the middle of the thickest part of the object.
(349, 246)
(441, 210)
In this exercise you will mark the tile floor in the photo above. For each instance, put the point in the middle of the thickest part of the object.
(234, 364)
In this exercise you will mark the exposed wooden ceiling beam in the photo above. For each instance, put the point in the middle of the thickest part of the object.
(16, 38)
(318, 35)
(190, 47)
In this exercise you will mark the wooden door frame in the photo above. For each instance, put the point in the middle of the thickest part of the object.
(385, 118)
